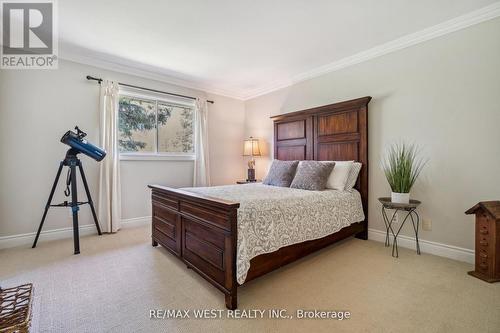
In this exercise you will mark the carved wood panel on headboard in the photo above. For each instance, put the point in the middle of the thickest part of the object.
(335, 132)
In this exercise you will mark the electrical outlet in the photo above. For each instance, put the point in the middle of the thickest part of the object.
(427, 224)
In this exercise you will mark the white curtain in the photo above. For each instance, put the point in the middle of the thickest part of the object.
(109, 205)
(201, 164)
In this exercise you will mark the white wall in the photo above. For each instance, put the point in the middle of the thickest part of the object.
(226, 134)
(443, 95)
(38, 106)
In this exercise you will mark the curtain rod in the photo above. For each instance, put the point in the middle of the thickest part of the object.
(99, 80)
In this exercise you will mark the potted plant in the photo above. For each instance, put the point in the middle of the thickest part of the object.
(402, 167)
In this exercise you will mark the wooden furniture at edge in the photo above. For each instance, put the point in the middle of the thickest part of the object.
(201, 230)
(487, 249)
(16, 305)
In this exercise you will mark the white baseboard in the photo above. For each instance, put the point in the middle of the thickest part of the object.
(54, 234)
(136, 222)
(438, 249)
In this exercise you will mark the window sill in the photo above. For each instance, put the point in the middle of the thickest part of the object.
(156, 157)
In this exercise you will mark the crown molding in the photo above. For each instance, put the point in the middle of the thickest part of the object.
(475, 17)
(95, 59)
(120, 65)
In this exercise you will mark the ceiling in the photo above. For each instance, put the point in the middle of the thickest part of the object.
(241, 48)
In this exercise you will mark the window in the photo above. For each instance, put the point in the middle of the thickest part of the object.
(153, 127)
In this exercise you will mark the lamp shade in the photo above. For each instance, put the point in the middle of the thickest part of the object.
(251, 147)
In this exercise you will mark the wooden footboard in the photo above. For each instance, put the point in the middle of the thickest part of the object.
(201, 231)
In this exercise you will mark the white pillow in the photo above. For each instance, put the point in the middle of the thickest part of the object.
(338, 178)
(353, 176)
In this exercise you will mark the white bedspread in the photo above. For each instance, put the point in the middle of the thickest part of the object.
(272, 217)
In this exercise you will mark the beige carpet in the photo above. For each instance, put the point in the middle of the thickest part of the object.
(117, 279)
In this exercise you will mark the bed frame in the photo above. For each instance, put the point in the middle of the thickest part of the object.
(201, 230)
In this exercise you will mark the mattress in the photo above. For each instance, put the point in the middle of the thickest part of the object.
(272, 217)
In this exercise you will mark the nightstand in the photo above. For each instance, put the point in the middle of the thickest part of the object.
(247, 181)
(411, 212)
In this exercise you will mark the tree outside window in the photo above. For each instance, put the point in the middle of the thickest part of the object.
(153, 126)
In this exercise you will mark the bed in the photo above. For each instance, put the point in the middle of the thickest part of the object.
(236, 233)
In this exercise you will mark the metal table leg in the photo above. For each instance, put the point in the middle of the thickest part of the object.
(395, 243)
(415, 227)
(386, 222)
(388, 225)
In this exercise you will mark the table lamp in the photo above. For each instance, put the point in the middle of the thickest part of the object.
(251, 148)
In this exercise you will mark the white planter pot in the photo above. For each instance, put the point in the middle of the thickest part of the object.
(402, 198)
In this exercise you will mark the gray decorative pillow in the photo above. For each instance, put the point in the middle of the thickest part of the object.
(353, 176)
(312, 175)
(281, 173)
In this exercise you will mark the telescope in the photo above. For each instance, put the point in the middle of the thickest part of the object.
(78, 145)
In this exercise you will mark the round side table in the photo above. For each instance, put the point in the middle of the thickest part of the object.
(411, 212)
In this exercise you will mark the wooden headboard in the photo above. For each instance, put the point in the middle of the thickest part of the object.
(335, 132)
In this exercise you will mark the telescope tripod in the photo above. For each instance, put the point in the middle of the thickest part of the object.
(72, 162)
